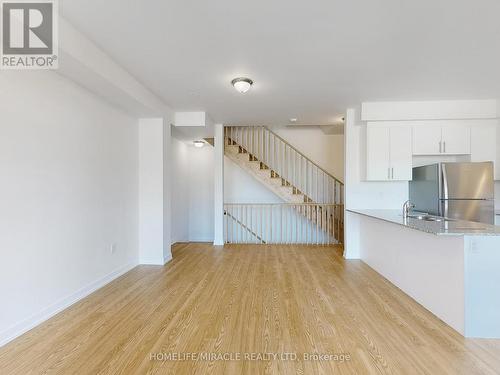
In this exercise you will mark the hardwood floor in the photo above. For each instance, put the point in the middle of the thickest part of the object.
(249, 299)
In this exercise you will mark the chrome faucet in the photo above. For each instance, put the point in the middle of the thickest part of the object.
(407, 207)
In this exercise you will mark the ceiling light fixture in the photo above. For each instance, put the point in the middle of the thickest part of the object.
(199, 144)
(293, 120)
(242, 84)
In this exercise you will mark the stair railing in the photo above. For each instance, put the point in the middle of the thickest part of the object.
(288, 163)
(287, 223)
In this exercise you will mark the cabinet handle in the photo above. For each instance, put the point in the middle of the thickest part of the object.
(440, 147)
(444, 147)
(392, 169)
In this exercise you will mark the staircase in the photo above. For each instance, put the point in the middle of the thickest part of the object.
(310, 190)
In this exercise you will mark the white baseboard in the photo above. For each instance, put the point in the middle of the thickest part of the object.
(179, 241)
(202, 240)
(38, 318)
(152, 262)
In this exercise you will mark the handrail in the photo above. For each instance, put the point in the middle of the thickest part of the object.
(244, 227)
(285, 161)
(304, 156)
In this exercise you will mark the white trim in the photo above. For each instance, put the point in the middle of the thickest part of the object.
(156, 262)
(152, 262)
(22, 327)
(429, 110)
(167, 259)
(173, 242)
(201, 240)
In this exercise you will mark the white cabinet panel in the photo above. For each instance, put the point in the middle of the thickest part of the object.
(484, 145)
(426, 140)
(456, 140)
(441, 140)
(377, 153)
(389, 153)
(401, 153)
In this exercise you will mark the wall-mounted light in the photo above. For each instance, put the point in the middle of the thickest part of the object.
(199, 144)
(242, 84)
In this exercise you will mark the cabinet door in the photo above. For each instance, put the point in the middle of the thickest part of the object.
(483, 145)
(426, 140)
(377, 153)
(401, 153)
(456, 140)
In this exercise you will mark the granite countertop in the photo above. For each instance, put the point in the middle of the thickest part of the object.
(450, 228)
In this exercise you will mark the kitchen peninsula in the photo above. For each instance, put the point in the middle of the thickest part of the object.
(451, 267)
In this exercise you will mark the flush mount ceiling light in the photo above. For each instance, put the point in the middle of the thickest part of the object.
(242, 84)
(199, 144)
(293, 120)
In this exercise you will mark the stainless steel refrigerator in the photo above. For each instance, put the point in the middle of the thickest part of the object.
(463, 191)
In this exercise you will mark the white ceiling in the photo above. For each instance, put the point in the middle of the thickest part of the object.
(309, 59)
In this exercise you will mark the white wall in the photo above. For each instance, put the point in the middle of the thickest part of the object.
(325, 150)
(201, 194)
(152, 236)
(68, 196)
(180, 191)
(219, 148)
(167, 189)
(241, 187)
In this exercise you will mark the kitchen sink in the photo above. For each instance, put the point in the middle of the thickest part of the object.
(431, 218)
(428, 218)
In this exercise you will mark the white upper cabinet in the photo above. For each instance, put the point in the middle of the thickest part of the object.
(441, 140)
(456, 140)
(378, 153)
(389, 155)
(391, 145)
(484, 145)
(426, 140)
(401, 153)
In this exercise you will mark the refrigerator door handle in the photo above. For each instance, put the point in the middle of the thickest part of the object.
(445, 212)
(445, 182)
